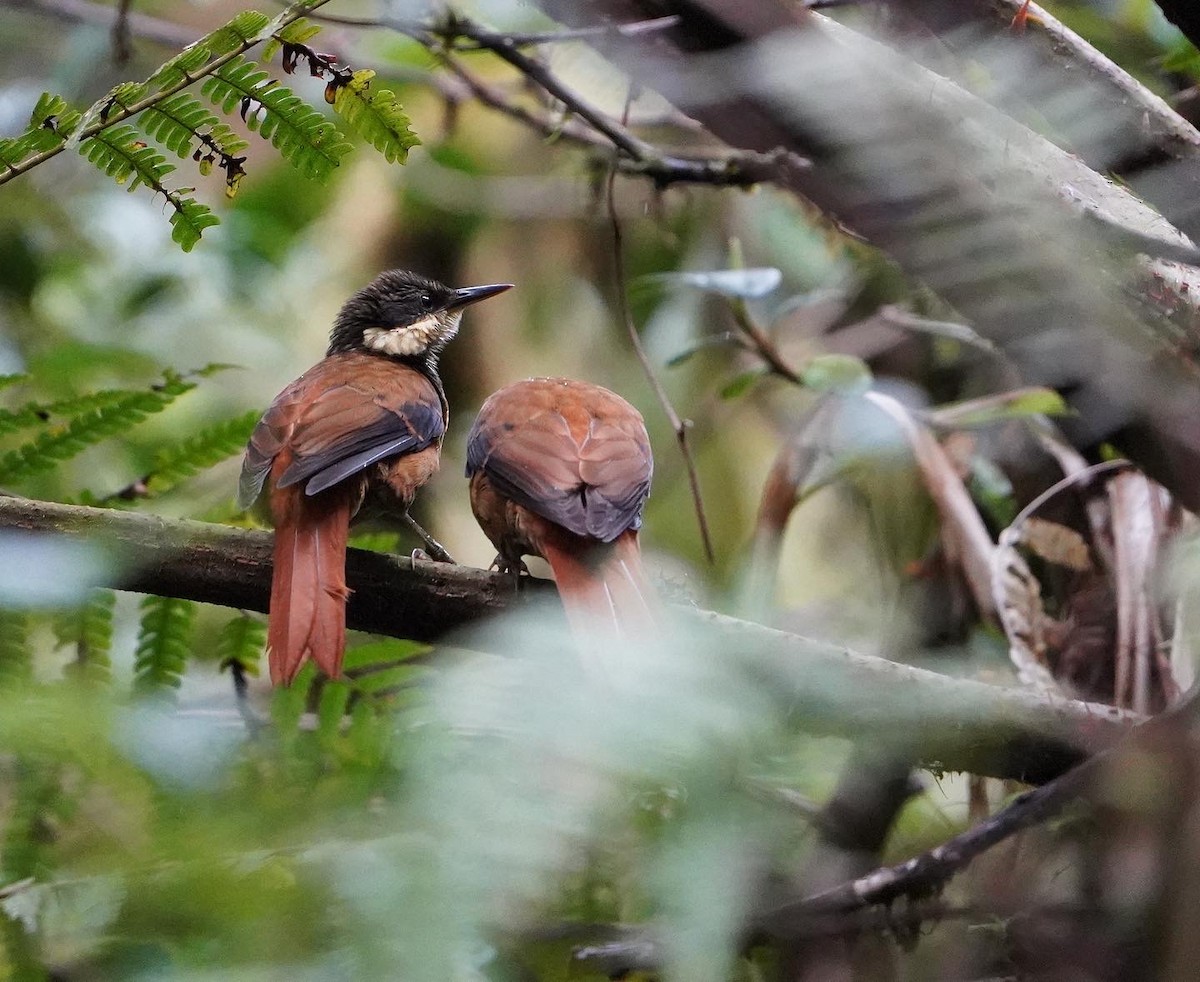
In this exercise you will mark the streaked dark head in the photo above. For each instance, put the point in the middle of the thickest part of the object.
(404, 314)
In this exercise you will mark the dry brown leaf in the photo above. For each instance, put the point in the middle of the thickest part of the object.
(1056, 544)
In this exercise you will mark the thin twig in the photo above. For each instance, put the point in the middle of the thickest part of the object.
(597, 33)
(762, 343)
(680, 426)
(122, 45)
(1071, 480)
(724, 169)
(502, 47)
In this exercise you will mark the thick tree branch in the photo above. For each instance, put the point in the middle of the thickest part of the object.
(955, 724)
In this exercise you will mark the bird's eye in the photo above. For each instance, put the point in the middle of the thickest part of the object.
(426, 302)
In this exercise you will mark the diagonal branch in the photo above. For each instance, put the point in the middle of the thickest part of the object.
(120, 113)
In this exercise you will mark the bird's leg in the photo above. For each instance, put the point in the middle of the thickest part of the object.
(436, 550)
(510, 567)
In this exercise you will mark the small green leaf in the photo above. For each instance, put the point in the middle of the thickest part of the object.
(1182, 57)
(376, 116)
(844, 374)
(697, 346)
(739, 385)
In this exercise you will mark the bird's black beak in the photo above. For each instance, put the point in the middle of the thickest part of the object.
(473, 294)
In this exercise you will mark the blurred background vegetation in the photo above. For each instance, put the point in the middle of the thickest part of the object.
(469, 817)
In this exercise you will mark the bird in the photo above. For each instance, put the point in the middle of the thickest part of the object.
(561, 469)
(364, 426)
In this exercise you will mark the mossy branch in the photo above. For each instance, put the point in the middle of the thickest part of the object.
(954, 724)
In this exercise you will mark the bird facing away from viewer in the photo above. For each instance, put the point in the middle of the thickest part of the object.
(363, 425)
(561, 469)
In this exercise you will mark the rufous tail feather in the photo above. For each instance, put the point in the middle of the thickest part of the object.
(604, 585)
(308, 588)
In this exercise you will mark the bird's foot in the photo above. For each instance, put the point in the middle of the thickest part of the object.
(434, 551)
(513, 567)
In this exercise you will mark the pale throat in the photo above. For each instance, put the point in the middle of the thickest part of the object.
(413, 339)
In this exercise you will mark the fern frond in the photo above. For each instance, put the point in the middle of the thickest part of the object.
(304, 138)
(176, 122)
(29, 415)
(42, 413)
(90, 630)
(383, 666)
(229, 37)
(295, 33)
(200, 451)
(331, 707)
(376, 116)
(164, 640)
(52, 121)
(62, 443)
(236, 34)
(242, 640)
(189, 221)
(124, 157)
(16, 655)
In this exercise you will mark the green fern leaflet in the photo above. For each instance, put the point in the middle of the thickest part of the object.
(376, 116)
(164, 640)
(304, 138)
(242, 640)
(124, 157)
(90, 630)
(64, 442)
(238, 33)
(51, 122)
(200, 451)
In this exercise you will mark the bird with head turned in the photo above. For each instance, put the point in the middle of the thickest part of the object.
(561, 469)
(361, 431)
